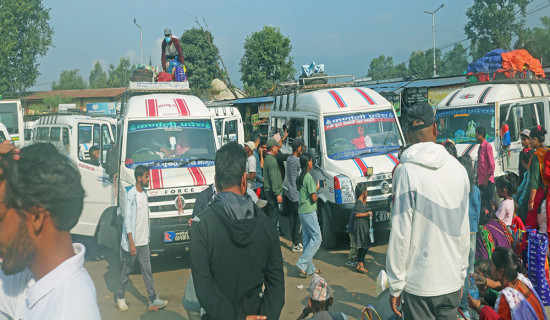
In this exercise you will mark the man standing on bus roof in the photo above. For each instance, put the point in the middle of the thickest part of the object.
(171, 48)
(135, 241)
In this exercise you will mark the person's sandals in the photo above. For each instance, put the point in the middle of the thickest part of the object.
(302, 273)
(317, 271)
(361, 269)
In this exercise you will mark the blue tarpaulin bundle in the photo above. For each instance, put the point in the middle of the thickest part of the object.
(490, 62)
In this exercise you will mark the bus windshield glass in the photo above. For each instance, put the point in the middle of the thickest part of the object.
(361, 135)
(170, 143)
(459, 125)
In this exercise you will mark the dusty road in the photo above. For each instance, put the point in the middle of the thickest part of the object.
(352, 291)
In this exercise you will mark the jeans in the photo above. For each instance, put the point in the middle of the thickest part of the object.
(471, 259)
(312, 241)
(294, 222)
(144, 258)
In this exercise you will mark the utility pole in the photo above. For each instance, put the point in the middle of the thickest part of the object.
(433, 33)
(140, 42)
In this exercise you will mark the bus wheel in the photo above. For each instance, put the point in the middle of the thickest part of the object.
(329, 237)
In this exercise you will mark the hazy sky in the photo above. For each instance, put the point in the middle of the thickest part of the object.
(344, 35)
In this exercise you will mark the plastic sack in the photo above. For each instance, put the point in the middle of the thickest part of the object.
(537, 244)
(180, 74)
(382, 282)
(164, 77)
(171, 65)
(471, 132)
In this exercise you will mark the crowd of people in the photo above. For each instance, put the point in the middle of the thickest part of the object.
(450, 241)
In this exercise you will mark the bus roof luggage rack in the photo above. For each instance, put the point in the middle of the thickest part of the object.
(158, 87)
(311, 83)
(51, 118)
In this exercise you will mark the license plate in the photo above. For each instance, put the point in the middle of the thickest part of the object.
(176, 236)
(382, 216)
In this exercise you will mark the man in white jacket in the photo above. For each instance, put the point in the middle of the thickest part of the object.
(429, 239)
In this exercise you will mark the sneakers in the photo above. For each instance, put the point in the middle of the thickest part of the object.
(297, 248)
(350, 263)
(157, 304)
(121, 304)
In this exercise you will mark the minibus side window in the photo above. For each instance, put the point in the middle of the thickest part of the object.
(42, 133)
(55, 134)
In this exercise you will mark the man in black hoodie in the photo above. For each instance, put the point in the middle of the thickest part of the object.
(237, 264)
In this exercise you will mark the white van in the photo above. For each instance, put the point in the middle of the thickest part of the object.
(74, 135)
(11, 115)
(329, 122)
(520, 103)
(229, 124)
(4, 134)
(175, 137)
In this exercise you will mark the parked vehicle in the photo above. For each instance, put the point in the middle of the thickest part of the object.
(229, 124)
(11, 115)
(175, 136)
(73, 135)
(354, 136)
(4, 134)
(518, 103)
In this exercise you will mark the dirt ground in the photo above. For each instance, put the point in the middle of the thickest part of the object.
(352, 291)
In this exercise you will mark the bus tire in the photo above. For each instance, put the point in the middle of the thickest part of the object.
(328, 235)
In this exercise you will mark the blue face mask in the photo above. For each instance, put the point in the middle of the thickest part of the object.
(167, 39)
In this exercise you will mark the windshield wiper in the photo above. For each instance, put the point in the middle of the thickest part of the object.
(391, 149)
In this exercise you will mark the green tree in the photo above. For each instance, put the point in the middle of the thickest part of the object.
(454, 61)
(418, 65)
(536, 41)
(493, 23)
(266, 60)
(120, 75)
(26, 35)
(52, 102)
(381, 68)
(69, 80)
(400, 71)
(98, 77)
(201, 59)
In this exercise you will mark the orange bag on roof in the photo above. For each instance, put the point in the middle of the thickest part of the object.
(517, 59)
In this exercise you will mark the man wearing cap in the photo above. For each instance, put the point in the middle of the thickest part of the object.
(273, 182)
(292, 172)
(320, 300)
(236, 259)
(171, 48)
(250, 165)
(430, 232)
(524, 136)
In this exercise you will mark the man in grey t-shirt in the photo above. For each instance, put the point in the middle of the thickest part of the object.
(292, 172)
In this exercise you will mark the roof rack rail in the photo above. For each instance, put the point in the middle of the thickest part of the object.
(306, 85)
(158, 87)
(51, 118)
